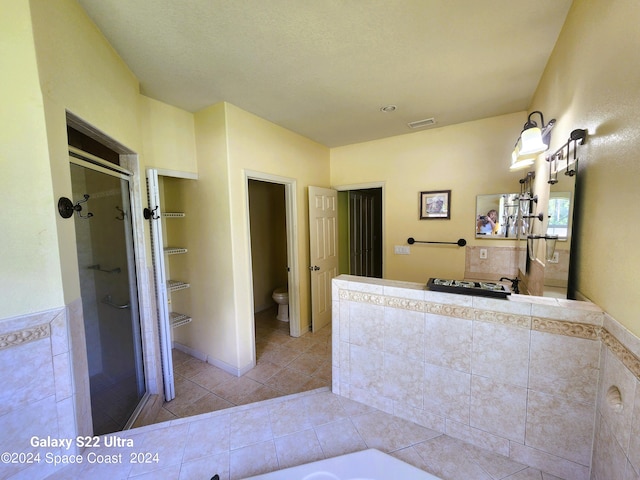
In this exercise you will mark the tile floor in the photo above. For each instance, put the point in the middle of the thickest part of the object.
(276, 417)
(284, 365)
(283, 432)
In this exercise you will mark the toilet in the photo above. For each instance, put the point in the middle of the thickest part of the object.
(281, 297)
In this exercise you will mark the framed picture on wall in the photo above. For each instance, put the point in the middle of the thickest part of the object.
(435, 204)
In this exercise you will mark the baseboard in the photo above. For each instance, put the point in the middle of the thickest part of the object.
(237, 372)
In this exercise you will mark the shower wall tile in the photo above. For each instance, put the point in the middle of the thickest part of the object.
(420, 416)
(517, 376)
(569, 311)
(79, 367)
(447, 298)
(62, 376)
(366, 325)
(366, 369)
(560, 427)
(59, 334)
(609, 460)
(634, 444)
(564, 366)
(501, 352)
(41, 417)
(404, 333)
(617, 409)
(448, 342)
(552, 383)
(475, 436)
(27, 374)
(498, 408)
(402, 381)
(553, 464)
(447, 393)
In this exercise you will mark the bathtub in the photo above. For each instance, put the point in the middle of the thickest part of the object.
(365, 465)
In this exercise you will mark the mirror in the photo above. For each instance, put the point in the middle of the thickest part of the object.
(560, 214)
(496, 216)
(544, 274)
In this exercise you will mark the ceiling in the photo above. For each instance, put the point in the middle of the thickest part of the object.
(324, 68)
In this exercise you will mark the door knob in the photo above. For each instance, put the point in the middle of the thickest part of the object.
(314, 268)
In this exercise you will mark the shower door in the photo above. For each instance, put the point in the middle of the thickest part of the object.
(104, 241)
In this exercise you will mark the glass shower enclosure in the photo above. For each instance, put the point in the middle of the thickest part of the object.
(104, 240)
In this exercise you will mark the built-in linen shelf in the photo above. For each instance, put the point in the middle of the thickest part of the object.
(173, 214)
(174, 285)
(174, 250)
(178, 319)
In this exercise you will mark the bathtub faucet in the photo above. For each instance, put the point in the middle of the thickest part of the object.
(514, 283)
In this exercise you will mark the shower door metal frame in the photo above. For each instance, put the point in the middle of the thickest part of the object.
(86, 160)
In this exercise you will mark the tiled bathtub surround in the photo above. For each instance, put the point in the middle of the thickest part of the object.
(517, 376)
(39, 394)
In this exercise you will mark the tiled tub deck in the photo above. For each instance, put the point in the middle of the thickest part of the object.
(518, 376)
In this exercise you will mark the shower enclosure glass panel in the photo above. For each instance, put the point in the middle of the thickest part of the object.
(104, 242)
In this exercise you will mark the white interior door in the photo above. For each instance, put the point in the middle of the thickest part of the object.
(157, 249)
(323, 252)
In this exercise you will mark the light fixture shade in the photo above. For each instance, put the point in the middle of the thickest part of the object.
(532, 143)
(518, 163)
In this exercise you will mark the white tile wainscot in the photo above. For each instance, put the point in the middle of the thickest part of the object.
(518, 376)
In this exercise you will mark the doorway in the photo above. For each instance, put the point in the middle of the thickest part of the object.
(267, 219)
(108, 285)
(361, 222)
(292, 279)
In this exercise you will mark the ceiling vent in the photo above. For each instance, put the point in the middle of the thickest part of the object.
(427, 122)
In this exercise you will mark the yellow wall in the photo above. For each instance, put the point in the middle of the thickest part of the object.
(30, 278)
(591, 81)
(469, 159)
(168, 136)
(229, 142)
(258, 145)
(79, 72)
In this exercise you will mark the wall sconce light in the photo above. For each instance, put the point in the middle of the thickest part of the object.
(532, 141)
(577, 137)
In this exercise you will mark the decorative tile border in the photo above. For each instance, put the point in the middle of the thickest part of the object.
(547, 325)
(623, 354)
(20, 337)
(570, 329)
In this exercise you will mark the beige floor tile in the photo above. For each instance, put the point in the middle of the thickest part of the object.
(298, 448)
(263, 371)
(249, 426)
(187, 392)
(190, 368)
(339, 438)
(209, 403)
(288, 381)
(234, 390)
(206, 467)
(288, 417)
(211, 377)
(253, 460)
(207, 437)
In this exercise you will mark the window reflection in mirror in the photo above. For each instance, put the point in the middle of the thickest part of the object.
(497, 215)
(559, 214)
